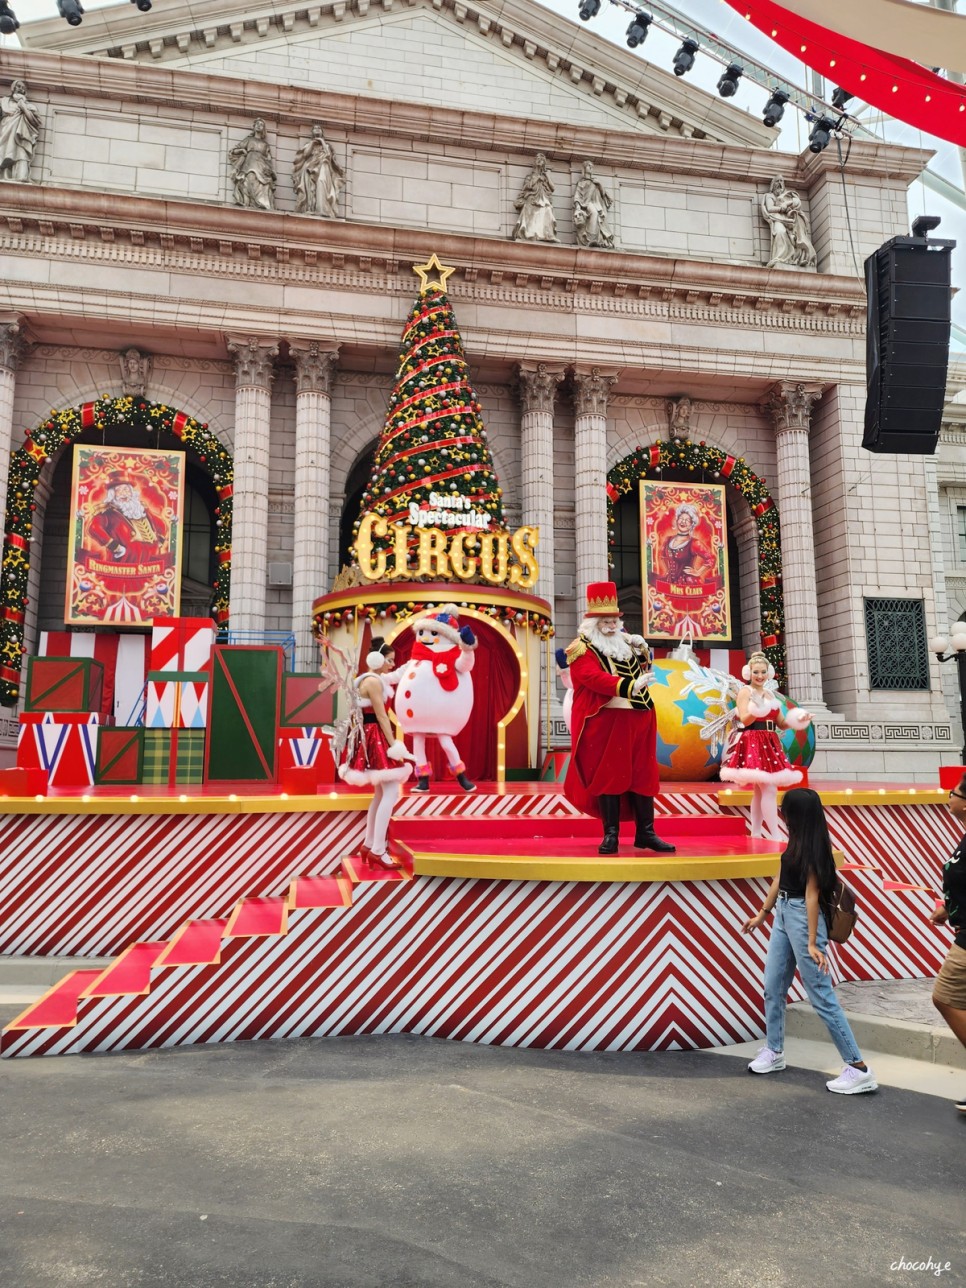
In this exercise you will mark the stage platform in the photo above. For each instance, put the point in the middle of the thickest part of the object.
(244, 915)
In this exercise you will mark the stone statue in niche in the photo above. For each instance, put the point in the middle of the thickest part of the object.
(318, 177)
(591, 211)
(536, 221)
(679, 417)
(253, 171)
(791, 240)
(19, 132)
(135, 372)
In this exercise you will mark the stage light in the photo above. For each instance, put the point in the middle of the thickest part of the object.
(840, 97)
(821, 134)
(143, 5)
(684, 58)
(775, 107)
(637, 31)
(8, 19)
(589, 9)
(72, 11)
(728, 84)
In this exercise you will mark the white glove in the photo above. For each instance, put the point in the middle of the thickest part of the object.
(397, 751)
(641, 683)
(798, 719)
(637, 642)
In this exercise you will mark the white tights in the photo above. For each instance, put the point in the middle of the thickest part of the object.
(453, 757)
(764, 811)
(384, 799)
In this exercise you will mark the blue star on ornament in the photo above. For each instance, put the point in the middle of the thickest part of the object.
(692, 705)
(665, 750)
(660, 677)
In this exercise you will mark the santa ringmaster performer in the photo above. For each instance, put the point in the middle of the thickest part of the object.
(613, 762)
(434, 694)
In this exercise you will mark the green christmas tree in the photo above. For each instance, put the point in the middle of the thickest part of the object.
(433, 459)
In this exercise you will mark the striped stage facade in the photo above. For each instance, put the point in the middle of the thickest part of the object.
(252, 925)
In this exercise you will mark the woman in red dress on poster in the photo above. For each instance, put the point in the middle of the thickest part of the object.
(757, 758)
(376, 757)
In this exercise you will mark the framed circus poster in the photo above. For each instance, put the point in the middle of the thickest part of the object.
(124, 552)
(684, 561)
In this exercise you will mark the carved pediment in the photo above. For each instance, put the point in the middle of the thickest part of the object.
(505, 56)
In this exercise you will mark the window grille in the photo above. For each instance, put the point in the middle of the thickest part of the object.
(895, 631)
(961, 530)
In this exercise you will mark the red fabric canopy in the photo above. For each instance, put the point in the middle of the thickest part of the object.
(896, 85)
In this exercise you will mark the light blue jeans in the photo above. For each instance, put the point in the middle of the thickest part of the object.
(788, 948)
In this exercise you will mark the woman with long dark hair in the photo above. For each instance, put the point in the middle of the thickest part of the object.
(801, 895)
(949, 992)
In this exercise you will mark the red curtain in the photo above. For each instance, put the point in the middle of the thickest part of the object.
(496, 683)
(898, 86)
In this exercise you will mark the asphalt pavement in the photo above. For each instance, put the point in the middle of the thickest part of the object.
(401, 1162)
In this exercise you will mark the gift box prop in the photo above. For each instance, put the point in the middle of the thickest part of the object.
(120, 755)
(181, 644)
(177, 700)
(173, 757)
(243, 715)
(23, 782)
(305, 749)
(302, 703)
(62, 744)
(59, 684)
(111, 650)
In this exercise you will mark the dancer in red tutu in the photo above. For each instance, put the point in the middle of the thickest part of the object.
(756, 758)
(613, 762)
(373, 757)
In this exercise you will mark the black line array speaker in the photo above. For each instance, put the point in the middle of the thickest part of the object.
(907, 344)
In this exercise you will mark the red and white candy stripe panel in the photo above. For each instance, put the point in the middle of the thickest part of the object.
(91, 884)
(575, 966)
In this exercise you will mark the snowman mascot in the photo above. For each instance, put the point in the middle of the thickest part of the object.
(434, 695)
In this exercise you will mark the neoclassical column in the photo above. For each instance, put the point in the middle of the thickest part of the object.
(537, 384)
(254, 372)
(790, 405)
(315, 364)
(11, 351)
(592, 386)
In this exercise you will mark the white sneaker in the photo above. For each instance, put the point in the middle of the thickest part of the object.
(851, 1081)
(767, 1061)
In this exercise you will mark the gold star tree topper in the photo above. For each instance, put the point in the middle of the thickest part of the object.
(435, 270)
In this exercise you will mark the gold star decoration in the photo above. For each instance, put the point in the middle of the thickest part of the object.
(432, 268)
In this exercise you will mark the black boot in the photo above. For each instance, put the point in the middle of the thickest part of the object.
(465, 783)
(645, 838)
(610, 811)
(421, 784)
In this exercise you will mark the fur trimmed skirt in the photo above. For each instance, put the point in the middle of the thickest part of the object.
(759, 757)
(370, 763)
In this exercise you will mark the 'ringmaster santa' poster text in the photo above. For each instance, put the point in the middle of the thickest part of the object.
(125, 545)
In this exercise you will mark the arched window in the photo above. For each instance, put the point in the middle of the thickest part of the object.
(356, 483)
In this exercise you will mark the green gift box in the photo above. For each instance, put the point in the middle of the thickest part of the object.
(174, 757)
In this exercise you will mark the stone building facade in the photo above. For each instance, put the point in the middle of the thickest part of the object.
(136, 230)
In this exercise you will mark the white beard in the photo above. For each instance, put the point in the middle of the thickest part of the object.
(130, 509)
(613, 646)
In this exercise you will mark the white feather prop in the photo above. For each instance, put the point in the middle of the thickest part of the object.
(720, 692)
(338, 675)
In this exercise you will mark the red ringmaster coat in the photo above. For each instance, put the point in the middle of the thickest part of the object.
(613, 750)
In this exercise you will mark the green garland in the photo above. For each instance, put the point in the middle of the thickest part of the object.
(60, 428)
(647, 462)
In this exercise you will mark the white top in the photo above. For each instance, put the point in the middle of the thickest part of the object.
(762, 707)
(387, 688)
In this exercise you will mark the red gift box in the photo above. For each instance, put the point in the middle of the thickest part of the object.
(950, 776)
(181, 644)
(63, 684)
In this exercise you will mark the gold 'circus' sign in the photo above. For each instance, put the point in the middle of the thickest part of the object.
(443, 555)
